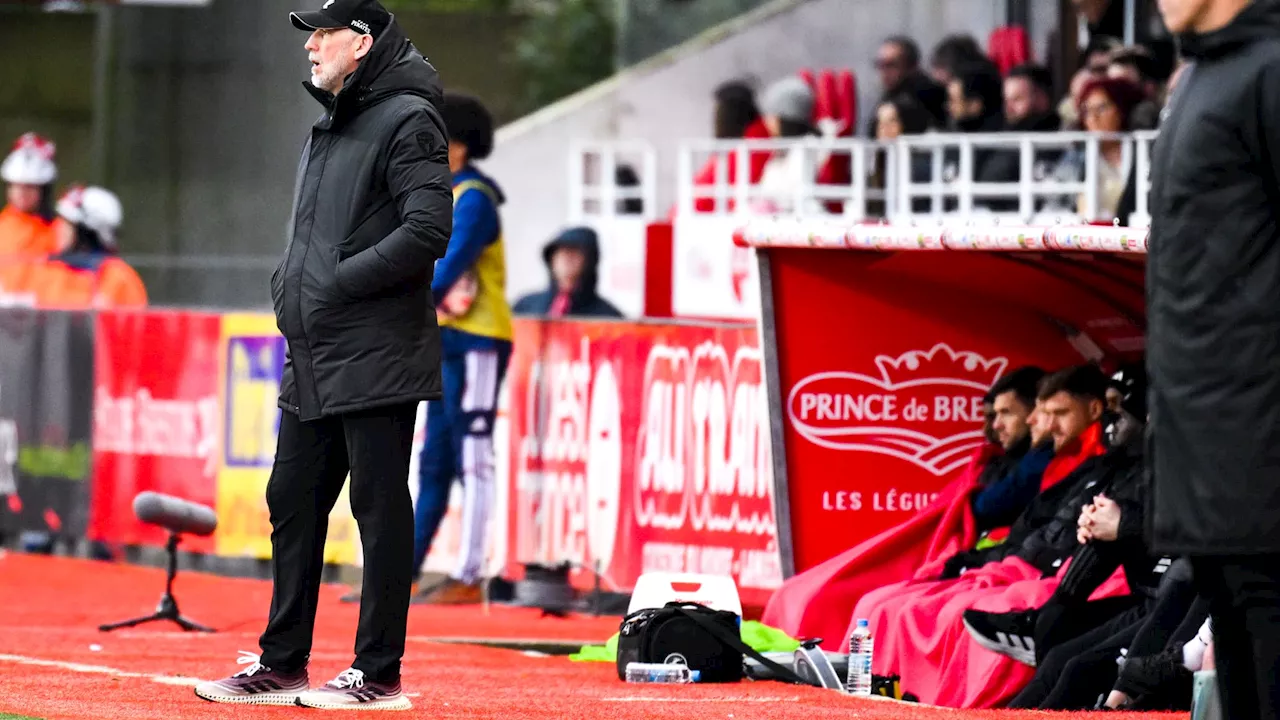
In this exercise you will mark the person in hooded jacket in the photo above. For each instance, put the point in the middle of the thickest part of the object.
(1213, 319)
(87, 271)
(470, 293)
(352, 296)
(573, 261)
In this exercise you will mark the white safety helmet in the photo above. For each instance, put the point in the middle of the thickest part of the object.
(95, 208)
(31, 162)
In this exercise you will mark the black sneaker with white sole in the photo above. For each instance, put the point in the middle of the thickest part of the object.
(255, 685)
(1011, 634)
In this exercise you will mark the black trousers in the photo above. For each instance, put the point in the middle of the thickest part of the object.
(311, 465)
(1076, 672)
(1069, 614)
(1244, 602)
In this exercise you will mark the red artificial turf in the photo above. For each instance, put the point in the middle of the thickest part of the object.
(56, 665)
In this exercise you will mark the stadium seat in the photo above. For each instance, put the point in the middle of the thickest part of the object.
(1008, 47)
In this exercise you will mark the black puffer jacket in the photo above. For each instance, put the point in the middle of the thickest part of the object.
(1045, 534)
(1213, 296)
(1118, 475)
(372, 213)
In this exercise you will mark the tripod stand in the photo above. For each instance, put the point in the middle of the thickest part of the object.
(167, 609)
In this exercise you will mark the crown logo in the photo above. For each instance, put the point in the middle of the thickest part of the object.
(941, 361)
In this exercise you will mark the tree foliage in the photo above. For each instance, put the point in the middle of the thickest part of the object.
(564, 46)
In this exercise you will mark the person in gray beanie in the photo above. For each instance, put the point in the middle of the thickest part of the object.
(787, 108)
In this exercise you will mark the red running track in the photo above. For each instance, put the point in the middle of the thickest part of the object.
(55, 665)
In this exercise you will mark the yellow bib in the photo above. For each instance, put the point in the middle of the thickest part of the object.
(489, 315)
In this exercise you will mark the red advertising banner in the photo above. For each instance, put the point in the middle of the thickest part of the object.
(882, 361)
(156, 419)
(638, 447)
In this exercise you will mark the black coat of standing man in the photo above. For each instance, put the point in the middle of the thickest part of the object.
(372, 213)
(1213, 350)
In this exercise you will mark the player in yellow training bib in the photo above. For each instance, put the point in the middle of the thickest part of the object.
(475, 328)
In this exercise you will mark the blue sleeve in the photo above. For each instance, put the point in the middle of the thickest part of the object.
(1000, 504)
(475, 225)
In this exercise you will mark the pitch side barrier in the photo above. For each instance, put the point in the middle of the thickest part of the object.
(624, 446)
(880, 340)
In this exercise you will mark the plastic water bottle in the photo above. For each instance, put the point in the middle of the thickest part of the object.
(861, 646)
(660, 673)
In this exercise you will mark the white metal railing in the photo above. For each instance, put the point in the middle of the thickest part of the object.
(598, 189)
(789, 183)
(1053, 177)
(1048, 178)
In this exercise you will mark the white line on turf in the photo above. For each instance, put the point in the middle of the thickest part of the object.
(98, 669)
(104, 670)
(654, 699)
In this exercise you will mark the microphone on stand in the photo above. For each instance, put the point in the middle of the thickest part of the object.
(179, 517)
(174, 514)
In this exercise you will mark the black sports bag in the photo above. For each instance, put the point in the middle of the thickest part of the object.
(705, 640)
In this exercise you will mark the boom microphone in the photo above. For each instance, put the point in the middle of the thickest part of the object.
(175, 514)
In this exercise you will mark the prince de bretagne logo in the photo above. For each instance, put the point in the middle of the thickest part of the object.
(924, 407)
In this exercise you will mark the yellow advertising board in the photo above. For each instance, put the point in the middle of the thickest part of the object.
(251, 358)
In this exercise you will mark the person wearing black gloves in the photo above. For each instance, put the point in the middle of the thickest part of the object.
(1213, 319)
(372, 214)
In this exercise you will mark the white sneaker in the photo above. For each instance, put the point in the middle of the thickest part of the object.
(350, 691)
(255, 685)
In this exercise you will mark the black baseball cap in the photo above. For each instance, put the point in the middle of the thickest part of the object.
(364, 16)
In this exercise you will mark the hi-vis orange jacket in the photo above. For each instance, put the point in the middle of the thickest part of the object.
(25, 241)
(87, 281)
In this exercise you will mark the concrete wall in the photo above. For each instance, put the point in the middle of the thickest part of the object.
(669, 98)
(208, 116)
(44, 84)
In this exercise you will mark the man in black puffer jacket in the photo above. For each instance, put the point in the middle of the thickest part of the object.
(1213, 311)
(372, 213)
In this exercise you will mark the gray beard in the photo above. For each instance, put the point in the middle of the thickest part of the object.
(327, 83)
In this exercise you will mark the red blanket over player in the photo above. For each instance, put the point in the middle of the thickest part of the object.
(918, 625)
(819, 602)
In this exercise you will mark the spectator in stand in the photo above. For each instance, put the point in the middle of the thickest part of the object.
(898, 64)
(736, 116)
(1097, 56)
(1093, 65)
(736, 113)
(87, 270)
(951, 54)
(1028, 100)
(976, 103)
(898, 116)
(975, 99)
(573, 262)
(626, 178)
(1106, 106)
(787, 110)
(26, 222)
(1136, 65)
(1028, 107)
